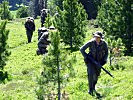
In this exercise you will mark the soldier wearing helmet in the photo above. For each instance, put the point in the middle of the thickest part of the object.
(43, 16)
(98, 49)
(30, 28)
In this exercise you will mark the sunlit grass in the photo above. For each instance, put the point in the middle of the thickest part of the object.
(24, 66)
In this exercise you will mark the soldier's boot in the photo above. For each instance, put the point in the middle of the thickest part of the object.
(91, 92)
(29, 35)
(29, 38)
(42, 25)
(38, 52)
(97, 94)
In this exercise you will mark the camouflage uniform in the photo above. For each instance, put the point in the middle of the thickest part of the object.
(43, 41)
(100, 54)
(30, 27)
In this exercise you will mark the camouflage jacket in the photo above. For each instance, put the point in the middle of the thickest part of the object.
(30, 26)
(98, 52)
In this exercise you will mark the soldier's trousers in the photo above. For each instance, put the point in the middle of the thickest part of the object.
(42, 23)
(29, 35)
(93, 73)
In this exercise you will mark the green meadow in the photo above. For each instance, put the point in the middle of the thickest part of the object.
(24, 67)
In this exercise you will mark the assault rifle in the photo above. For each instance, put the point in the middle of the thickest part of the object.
(98, 65)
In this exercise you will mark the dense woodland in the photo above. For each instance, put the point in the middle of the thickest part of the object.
(90, 6)
(14, 3)
(61, 72)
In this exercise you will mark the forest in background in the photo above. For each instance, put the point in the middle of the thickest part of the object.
(89, 5)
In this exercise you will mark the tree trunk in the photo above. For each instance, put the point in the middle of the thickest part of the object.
(36, 8)
(110, 58)
(4, 10)
(45, 4)
(58, 71)
(128, 27)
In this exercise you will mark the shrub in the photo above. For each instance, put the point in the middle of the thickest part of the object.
(22, 12)
(4, 11)
(122, 63)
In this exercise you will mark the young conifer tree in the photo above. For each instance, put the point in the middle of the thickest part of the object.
(56, 70)
(48, 21)
(115, 18)
(3, 49)
(71, 22)
(4, 10)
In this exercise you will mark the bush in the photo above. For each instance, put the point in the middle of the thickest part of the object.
(22, 12)
(71, 23)
(122, 63)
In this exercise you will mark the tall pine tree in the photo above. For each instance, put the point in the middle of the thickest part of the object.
(71, 22)
(37, 6)
(116, 18)
(56, 71)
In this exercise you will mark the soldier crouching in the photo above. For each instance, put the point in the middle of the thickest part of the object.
(43, 41)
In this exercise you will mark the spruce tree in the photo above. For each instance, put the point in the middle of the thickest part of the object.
(59, 3)
(56, 70)
(71, 22)
(48, 22)
(37, 6)
(4, 10)
(3, 49)
(115, 18)
(42, 4)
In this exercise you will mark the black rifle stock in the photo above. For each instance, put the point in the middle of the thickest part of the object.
(99, 65)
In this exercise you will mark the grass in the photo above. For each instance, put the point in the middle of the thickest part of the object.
(118, 88)
(24, 66)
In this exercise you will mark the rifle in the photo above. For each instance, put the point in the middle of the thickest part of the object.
(99, 65)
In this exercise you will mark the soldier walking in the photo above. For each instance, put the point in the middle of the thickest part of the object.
(30, 28)
(43, 16)
(98, 50)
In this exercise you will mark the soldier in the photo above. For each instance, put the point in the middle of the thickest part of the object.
(42, 40)
(30, 28)
(43, 16)
(98, 50)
